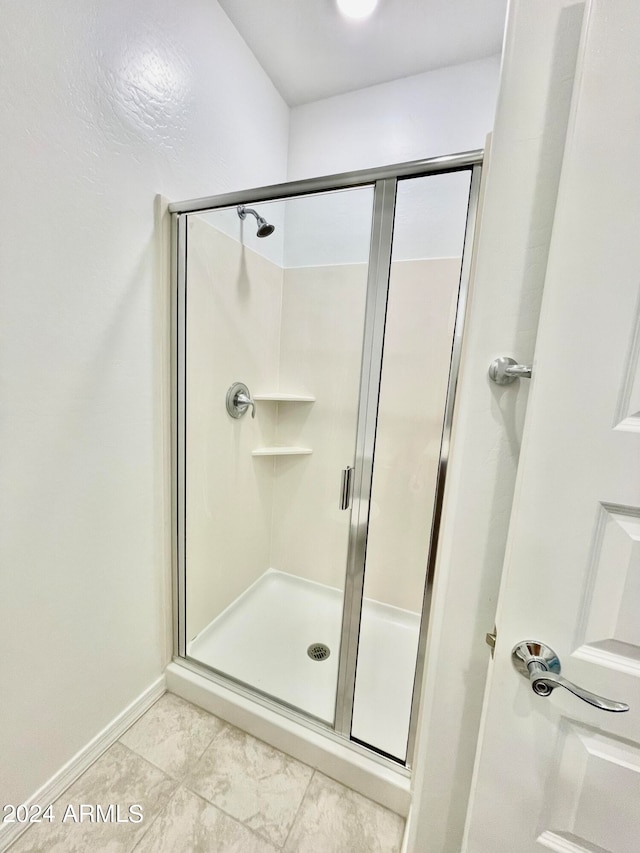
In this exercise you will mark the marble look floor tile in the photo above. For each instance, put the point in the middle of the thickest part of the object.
(190, 824)
(173, 734)
(118, 777)
(258, 785)
(335, 819)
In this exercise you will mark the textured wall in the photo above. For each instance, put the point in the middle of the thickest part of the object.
(104, 105)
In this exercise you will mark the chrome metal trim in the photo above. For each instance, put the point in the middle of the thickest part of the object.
(384, 201)
(173, 461)
(344, 180)
(454, 369)
(290, 713)
(180, 290)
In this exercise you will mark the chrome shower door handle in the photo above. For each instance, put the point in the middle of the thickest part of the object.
(345, 488)
(541, 665)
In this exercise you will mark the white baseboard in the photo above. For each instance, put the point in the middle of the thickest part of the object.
(58, 784)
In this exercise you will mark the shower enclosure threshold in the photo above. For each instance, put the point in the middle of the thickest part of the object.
(266, 639)
(357, 768)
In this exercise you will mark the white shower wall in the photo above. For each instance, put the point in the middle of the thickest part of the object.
(296, 331)
(233, 334)
(300, 331)
(321, 350)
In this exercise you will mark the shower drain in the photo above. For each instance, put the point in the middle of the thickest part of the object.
(318, 651)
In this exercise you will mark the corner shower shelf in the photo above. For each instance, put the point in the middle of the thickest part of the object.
(282, 397)
(281, 451)
(278, 397)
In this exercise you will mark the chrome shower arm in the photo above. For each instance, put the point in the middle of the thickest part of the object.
(242, 211)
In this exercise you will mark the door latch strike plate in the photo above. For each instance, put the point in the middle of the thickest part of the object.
(490, 640)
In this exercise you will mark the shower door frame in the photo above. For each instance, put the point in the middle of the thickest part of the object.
(384, 181)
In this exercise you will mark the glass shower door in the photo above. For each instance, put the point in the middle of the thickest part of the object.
(271, 360)
(420, 324)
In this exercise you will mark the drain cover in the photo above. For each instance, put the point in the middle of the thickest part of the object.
(318, 651)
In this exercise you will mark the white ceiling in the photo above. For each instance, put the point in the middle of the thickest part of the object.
(310, 51)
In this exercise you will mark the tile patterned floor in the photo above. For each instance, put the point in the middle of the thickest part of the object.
(207, 787)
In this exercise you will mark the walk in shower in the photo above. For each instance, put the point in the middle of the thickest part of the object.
(317, 334)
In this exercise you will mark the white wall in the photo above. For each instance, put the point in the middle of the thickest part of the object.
(104, 105)
(427, 115)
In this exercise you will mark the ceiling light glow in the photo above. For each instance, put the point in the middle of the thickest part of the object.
(356, 8)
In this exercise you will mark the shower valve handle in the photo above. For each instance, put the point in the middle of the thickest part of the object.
(245, 401)
(238, 400)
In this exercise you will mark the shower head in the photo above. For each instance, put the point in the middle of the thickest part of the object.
(264, 229)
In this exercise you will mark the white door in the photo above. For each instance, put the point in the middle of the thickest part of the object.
(555, 772)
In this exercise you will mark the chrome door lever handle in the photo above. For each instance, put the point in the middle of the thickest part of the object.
(543, 683)
(541, 665)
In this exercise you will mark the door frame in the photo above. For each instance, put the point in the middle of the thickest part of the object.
(384, 180)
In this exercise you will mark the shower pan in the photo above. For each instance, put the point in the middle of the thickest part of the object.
(315, 366)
